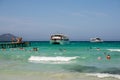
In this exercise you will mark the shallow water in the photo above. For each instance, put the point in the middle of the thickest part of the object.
(75, 61)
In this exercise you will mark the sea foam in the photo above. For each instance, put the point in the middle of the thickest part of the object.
(50, 59)
(103, 75)
(118, 50)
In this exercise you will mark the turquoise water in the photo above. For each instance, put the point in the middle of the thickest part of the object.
(75, 61)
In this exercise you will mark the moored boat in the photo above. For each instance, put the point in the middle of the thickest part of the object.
(59, 39)
(96, 39)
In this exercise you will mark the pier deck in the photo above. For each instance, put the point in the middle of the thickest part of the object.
(14, 45)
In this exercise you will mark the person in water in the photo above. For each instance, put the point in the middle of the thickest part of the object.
(108, 57)
(98, 49)
(35, 49)
(99, 58)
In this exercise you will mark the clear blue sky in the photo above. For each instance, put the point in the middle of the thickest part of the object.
(78, 19)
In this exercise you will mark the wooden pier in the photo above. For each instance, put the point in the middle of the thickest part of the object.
(14, 45)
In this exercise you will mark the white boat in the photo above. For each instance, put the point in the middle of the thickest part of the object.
(96, 39)
(59, 39)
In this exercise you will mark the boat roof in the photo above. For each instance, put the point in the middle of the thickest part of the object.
(57, 35)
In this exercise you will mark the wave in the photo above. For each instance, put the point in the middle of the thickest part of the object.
(118, 50)
(93, 69)
(50, 59)
(81, 68)
(103, 75)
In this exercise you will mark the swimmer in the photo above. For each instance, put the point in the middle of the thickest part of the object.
(108, 57)
(35, 49)
(99, 58)
(104, 53)
(98, 49)
(21, 48)
(62, 50)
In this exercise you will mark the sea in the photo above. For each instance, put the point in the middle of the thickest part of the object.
(78, 60)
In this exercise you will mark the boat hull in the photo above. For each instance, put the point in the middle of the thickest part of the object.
(96, 40)
(59, 42)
